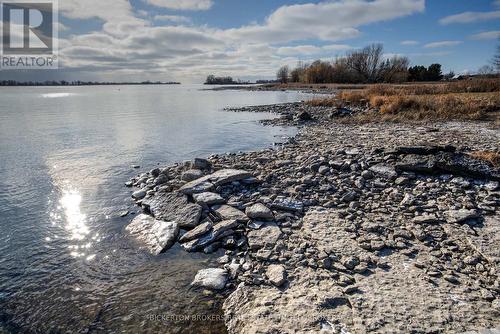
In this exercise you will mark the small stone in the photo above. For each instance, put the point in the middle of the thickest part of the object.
(276, 275)
(452, 279)
(139, 194)
(124, 213)
(191, 175)
(259, 211)
(227, 212)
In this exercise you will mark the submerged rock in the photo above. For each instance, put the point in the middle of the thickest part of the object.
(174, 207)
(213, 278)
(139, 194)
(158, 235)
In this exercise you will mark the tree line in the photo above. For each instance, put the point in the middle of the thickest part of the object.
(213, 80)
(80, 83)
(367, 65)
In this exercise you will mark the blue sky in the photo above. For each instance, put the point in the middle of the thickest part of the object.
(188, 39)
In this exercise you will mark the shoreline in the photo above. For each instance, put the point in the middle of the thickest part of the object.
(347, 219)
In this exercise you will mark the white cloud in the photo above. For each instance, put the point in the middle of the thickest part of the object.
(129, 42)
(325, 21)
(486, 35)
(182, 4)
(172, 18)
(442, 44)
(409, 42)
(311, 49)
(469, 17)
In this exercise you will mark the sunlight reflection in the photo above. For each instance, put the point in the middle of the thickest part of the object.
(70, 202)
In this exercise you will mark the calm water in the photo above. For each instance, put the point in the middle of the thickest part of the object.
(66, 264)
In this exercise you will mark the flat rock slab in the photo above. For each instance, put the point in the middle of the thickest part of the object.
(174, 207)
(218, 231)
(218, 178)
(265, 237)
(397, 299)
(212, 278)
(227, 212)
(158, 235)
(197, 232)
(208, 198)
(386, 171)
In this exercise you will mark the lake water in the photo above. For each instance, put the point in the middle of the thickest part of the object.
(66, 263)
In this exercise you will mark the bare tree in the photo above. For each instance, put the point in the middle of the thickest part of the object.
(366, 63)
(283, 74)
(395, 69)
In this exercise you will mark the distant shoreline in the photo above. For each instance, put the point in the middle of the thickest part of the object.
(71, 84)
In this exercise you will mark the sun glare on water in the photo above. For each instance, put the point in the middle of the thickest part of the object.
(75, 219)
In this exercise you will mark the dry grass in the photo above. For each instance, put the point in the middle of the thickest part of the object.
(491, 157)
(467, 100)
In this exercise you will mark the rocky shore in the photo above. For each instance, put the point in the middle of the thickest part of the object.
(346, 228)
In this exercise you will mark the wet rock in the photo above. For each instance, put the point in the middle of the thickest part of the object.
(212, 278)
(276, 275)
(156, 234)
(259, 211)
(218, 232)
(208, 198)
(210, 181)
(173, 207)
(288, 204)
(265, 237)
(191, 175)
(139, 194)
(197, 232)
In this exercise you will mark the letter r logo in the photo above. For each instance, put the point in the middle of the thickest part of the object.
(28, 27)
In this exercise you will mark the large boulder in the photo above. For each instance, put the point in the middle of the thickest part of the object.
(157, 235)
(173, 207)
(213, 180)
(213, 278)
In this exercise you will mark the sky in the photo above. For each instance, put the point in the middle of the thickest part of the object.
(186, 40)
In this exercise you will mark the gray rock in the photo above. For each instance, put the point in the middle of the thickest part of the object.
(386, 171)
(460, 216)
(197, 232)
(191, 175)
(216, 179)
(219, 231)
(426, 219)
(227, 212)
(259, 211)
(174, 207)
(208, 198)
(276, 274)
(265, 237)
(213, 278)
(199, 163)
(156, 234)
(139, 194)
(288, 204)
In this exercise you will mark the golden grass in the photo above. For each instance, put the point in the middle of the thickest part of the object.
(491, 157)
(467, 100)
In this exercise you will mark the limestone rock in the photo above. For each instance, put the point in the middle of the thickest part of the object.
(259, 211)
(208, 198)
(173, 207)
(158, 235)
(212, 278)
(276, 274)
(265, 237)
(216, 179)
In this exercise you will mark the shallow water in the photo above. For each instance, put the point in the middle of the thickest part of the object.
(66, 264)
